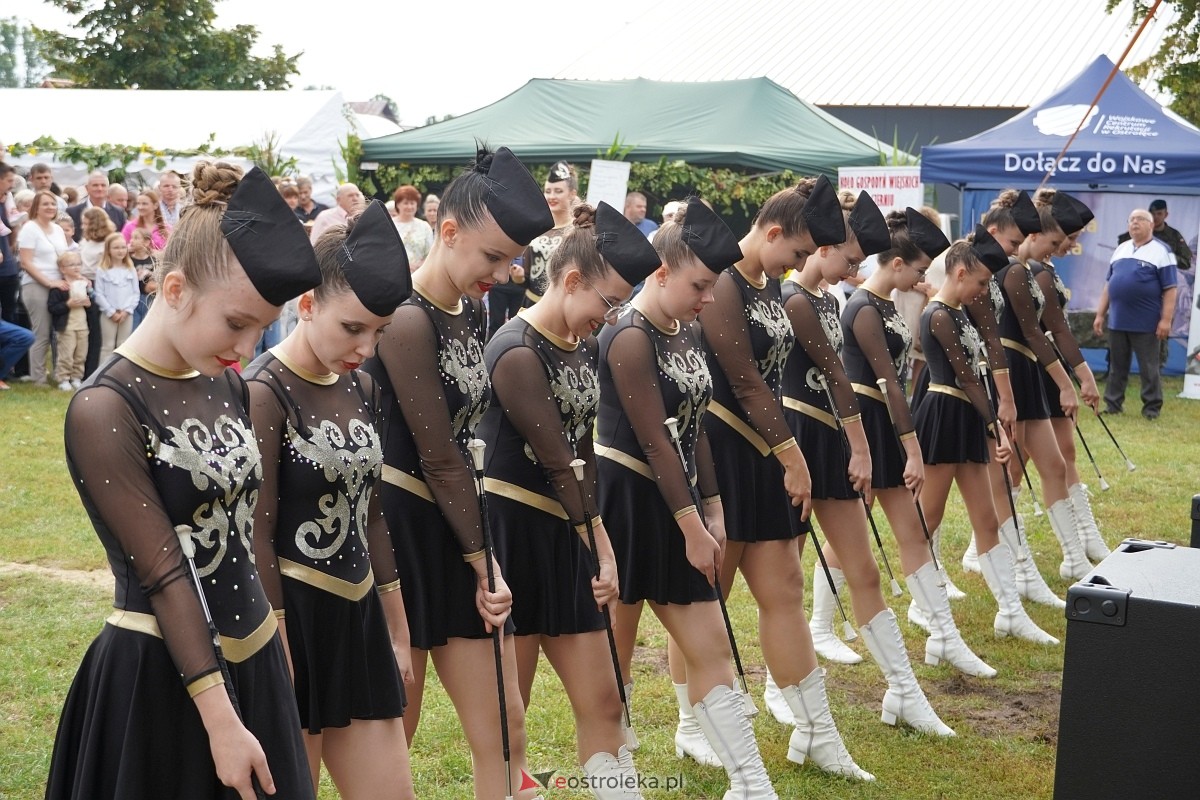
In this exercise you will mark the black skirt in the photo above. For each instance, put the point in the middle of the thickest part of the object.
(129, 728)
(1052, 403)
(342, 659)
(1029, 392)
(756, 505)
(439, 587)
(950, 431)
(548, 567)
(826, 454)
(651, 553)
(887, 457)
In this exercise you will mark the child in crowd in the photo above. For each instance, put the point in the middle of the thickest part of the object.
(68, 225)
(118, 292)
(141, 253)
(69, 320)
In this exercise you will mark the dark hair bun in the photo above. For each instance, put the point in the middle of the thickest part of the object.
(483, 158)
(896, 221)
(214, 183)
(1007, 198)
(804, 187)
(584, 216)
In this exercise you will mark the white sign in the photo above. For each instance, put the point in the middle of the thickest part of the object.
(609, 182)
(892, 188)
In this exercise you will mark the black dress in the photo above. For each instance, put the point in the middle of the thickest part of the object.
(434, 389)
(747, 340)
(951, 421)
(537, 262)
(1054, 320)
(814, 319)
(149, 450)
(321, 460)
(1024, 343)
(647, 375)
(546, 393)
(876, 346)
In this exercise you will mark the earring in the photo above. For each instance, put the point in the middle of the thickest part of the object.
(662, 284)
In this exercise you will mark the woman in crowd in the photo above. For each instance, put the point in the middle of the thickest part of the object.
(667, 541)
(149, 219)
(417, 234)
(40, 242)
(561, 191)
(145, 261)
(96, 228)
(542, 367)
(430, 370)
(118, 292)
(160, 447)
(321, 543)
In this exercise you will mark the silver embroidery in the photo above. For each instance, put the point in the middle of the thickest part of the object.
(894, 322)
(689, 372)
(463, 362)
(770, 316)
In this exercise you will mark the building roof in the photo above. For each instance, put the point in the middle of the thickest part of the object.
(956, 53)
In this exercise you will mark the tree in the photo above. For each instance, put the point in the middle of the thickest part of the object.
(20, 64)
(1176, 65)
(161, 44)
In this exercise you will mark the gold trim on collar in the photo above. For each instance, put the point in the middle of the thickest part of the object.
(163, 372)
(868, 391)
(877, 294)
(531, 296)
(810, 411)
(522, 495)
(761, 283)
(454, 310)
(408, 483)
(327, 583)
(734, 421)
(624, 459)
(236, 650)
(302, 373)
(1013, 344)
(953, 391)
(657, 327)
(553, 338)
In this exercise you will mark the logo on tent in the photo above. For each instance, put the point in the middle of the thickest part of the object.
(1063, 120)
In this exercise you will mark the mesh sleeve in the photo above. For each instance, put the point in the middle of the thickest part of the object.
(1020, 301)
(727, 334)
(411, 361)
(811, 336)
(106, 454)
(872, 341)
(1054, 318)
(984, 316)
(379, 539)
(706, 470)
(520, 385)
(944, 328)
(269, 421)
(635, 376)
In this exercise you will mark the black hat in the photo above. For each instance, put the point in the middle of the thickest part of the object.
(1085, 213)
(709, 237)
(869, 226)
(374, 261)
(559, 172)
(823, 214)
(988, 250)
(1065, 214)
(269, 240)
(514, 199)
(924, 234)
(1158, 205)
(1025, 214)
(624, 246)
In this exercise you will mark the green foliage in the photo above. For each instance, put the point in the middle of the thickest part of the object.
(909, 156)
(21, 65)
(167, 44)
(617, 151)
(1176, 65)
(266, 156)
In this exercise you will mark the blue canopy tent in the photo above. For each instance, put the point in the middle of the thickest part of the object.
(1130, 151)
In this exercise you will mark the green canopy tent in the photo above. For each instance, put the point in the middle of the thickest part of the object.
(751, 124)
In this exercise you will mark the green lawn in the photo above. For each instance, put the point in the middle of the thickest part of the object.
(1007, 727)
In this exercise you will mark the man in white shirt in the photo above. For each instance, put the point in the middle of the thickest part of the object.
(168, 197)
(350, 201)
(97, 195)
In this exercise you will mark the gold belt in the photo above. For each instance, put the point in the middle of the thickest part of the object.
(235, 650)
(1012, 344)
(869, 391)
(734, 421)
(327, 583)
(409, 483)
(810, 411)
(953, 391)
(523, 495)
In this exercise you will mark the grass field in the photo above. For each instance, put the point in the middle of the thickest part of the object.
(50, 609)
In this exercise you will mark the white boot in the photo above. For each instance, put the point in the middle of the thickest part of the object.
(826, 642)
(689, 739)
(815, 736)
(1011, 619)
(952, 591)
(773, 700)
(722, 717)
(916, 615)
(945, 643)
(1093, 543)
(970, 558)
(1062, 521)
(1030, 583)
(612, 777)
(904, 699)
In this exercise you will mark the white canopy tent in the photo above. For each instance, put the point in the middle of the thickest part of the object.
(307, 126)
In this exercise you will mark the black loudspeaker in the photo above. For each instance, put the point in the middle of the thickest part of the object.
(1129, 725)
(1196, 520)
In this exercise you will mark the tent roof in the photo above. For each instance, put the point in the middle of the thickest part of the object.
(1129, 141)
(756, 124)
(942, 53)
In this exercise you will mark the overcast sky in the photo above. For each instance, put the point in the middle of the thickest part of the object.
(432, 58)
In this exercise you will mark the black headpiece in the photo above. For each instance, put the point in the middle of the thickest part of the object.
(374, 261)
(1085, 213)
(869, 226)
(823, 214)
(924, 234)
(1065, 214)
(561, 171)
(514, 199)
(1025, 214)
(988, 250)
(709, 237)
(623, 245)
(269, 240)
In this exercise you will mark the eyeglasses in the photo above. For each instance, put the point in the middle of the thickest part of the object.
(614, 312)
(852, 266)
